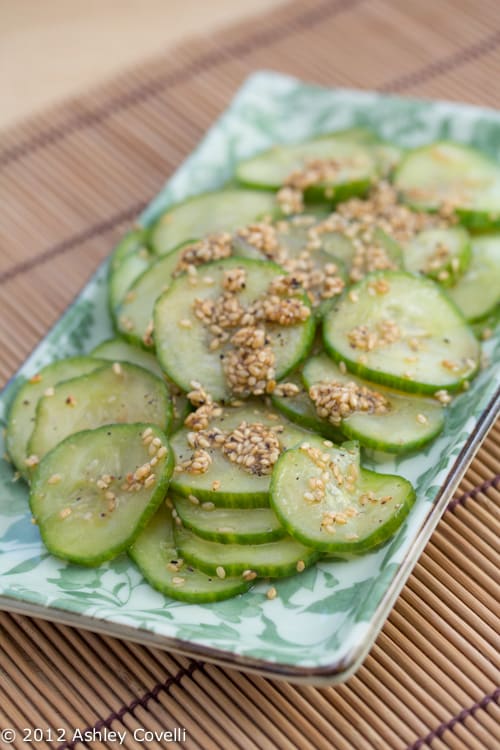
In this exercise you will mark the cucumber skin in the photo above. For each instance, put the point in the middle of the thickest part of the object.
(229, 537)
(150, 510)
(349, 549)
(393, 381)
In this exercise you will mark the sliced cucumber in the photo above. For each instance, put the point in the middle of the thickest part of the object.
(341, 247)
(307, 263)
(85, 507)
(119, 350)
(355, 511)
(409, 423)
(122, 278)
(447, 173)
(442, 254)
(410, 336)
(131, 242)
(477, 293)
(301, 410)
(22, 412)
(135, 314)
(270, 170)
(222, 210)
(275, 559)
(126, 393)
(229, 525)
(155, 554)
(184, 353)
(225, 483)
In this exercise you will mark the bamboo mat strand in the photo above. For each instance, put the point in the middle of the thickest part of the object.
(71, 182)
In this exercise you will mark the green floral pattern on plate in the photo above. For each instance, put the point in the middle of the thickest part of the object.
(324, 620)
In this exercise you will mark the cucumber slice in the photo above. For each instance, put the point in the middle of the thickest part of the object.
(276, 559)
(311, 266)
(442, 254)
(135, 314)
(270, 170)
(126, 393)
(225, 483)
(477, 293)
(342, 248)
(409, 423)
(131, 242)
(301, 410)
(85, 508)
(118, 350)
(355, 511)
(222, 210)
(447, 173)
(23, 408)
(229, 525)
(155, 554)
(408, 335)
(184, 354)
(122, 278)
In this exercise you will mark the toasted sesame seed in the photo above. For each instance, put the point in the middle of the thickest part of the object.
(422, 419)
(178, 581)
(32, 461)
(64, 513)
(54, 479)
(49, 391)
(150, 480)
(35, 378)
(249, 575)
(221, 573)
(193, 499)
(271, 593)
(117, 369)
(300, 566)
(185, 323)
(215, 485)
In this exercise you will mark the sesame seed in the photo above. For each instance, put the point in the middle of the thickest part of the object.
(32, 461)
(271, 593)
(117, 369)
(64, 513)
(150, 480)
(249, 575)
(300, 566)
(178, 581)
(185, 323)
(422, 419)
(221, 573)
(49, 391)
(54, 479)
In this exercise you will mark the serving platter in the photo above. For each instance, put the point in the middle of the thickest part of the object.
(323, 622)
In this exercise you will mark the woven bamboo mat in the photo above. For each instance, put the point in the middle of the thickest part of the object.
(71, 180)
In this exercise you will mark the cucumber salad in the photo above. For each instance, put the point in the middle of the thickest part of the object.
(330, 301)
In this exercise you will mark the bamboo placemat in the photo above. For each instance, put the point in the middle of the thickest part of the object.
(71, 181)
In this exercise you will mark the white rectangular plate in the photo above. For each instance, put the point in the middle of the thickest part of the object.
(323, 621)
